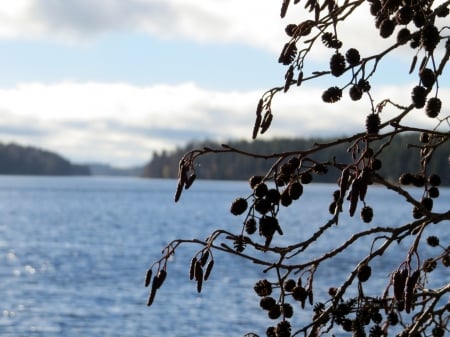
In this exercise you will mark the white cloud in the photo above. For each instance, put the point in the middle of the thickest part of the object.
(251, 22)
(123, 124)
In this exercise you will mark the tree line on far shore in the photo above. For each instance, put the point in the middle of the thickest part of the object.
(399, 158)
(26, 160)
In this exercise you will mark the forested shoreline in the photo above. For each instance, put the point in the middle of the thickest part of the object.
(399, 158)
(26, 160)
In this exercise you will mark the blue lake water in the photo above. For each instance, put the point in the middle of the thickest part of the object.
(74, 251)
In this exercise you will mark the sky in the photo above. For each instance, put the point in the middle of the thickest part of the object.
(113, 81)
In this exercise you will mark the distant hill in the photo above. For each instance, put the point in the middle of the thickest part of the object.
(108, 170)
(27, 160)
(398, 158)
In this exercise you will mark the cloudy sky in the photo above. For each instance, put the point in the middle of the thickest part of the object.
(112, 81)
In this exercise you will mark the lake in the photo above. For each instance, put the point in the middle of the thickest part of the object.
(74, 252)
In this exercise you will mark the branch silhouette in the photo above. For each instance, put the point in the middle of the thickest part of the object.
(406, 306)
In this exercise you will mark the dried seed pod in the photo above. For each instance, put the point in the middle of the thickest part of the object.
(427, 203)
(434, 180)
(238, 206)
(288, 53)
(418, 96)
(267, 226)
(406, 179)
(204, 258)
(446, 260)
(266, 303)
(274, 312)
(289, 285)
(404, 15)
(148, 277)
(399, 281)
(254, 181)
(179, 190)
(199, 285)
(429, 265)
(413, 64)
(387, 27)
(433, 192)
(427, 77)
(355, 92)
(344, 184)
(376, 164)
(353, 196)
(429, 37)
(192, 268)
(190, 180)
(352, 56)
(262, 206)
(364, 85)
(403, 36)
(331, 41)
(295, 190)
(299, 293)
(364, 272)
(258, 119)
(250, 226)
(367, 214)
(375, 7)
(289, 76)
(310, 296)
(273, 196)
(266, 122)
(291, 29)
(263, 288)
(285, 199)
(409, 290)
(332, 95)
(161, 277)
(208, 269)
(364, 179)
(306, 178)
(287, 310)
(284, 8)
(373, 124)
(433, 107)
(198, 271)
(438, 331)
(299, 78)
(337, 64)
(392, 318)
(153, 289)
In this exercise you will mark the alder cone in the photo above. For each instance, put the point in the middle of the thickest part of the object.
(355, 92)
(332, 95)
(337, 64)
(387, 27)
(429, 37)
(353, 57)
(418, 96)
(364, 85)
(404, 15)
(364, 273)
(238, 206)
(367, 214)
(403, 35)
(295, 190)
(427, 77)
(433, 107)
(373, 124)
(434, 180)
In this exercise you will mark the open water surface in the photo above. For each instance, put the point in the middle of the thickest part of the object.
(74, 252)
